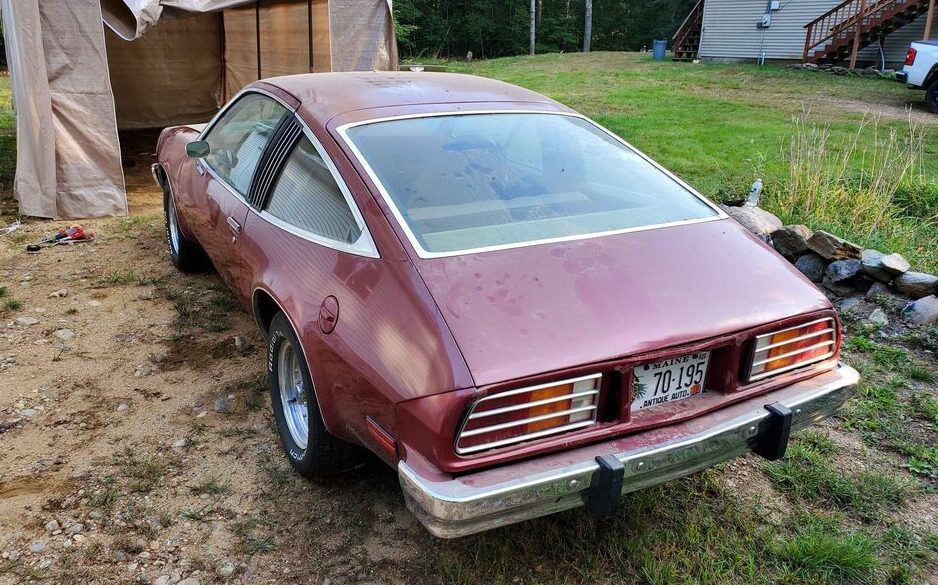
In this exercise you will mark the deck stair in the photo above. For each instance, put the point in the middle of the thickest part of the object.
(842, 32)
(687, 38)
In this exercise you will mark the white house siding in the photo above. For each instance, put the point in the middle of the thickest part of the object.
(730, 33)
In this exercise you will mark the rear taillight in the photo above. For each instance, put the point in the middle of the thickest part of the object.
(910, 56)
(793, 348)
(529, 413)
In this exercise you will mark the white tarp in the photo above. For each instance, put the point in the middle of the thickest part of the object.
(68, 155)
(63, 67)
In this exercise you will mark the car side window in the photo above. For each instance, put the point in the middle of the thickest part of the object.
(307, 196)
(238, 138)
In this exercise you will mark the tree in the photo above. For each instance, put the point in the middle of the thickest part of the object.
(430, 29)
(587, 25)
(533, 26)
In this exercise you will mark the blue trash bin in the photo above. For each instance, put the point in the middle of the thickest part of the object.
(659, 49)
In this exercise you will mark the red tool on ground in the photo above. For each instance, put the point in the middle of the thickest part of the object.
(73, 234)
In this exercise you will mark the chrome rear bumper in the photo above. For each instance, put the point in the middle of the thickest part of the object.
(450, 507)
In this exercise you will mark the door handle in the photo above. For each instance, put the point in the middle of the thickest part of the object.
(199, 169)
(235, 228)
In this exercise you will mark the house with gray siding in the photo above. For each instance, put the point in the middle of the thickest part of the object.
(774, 30)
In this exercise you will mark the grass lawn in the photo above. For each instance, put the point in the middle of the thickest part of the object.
(721, 126)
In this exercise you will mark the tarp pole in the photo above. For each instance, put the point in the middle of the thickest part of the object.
(309, 32)
(257, 32)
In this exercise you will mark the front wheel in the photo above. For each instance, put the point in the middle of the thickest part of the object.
(931, 97)
(311, 449)
(185, 254)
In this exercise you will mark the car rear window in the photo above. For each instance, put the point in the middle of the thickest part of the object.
(472, 182)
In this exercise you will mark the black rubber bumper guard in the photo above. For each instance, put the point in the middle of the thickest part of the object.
(602, 498)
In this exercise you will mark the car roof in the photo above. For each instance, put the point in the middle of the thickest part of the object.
(326, 95)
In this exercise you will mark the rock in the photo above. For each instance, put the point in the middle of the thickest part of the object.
(225, 568)
(916, 284)
(189, 581)
(924, 311)
(222, 405)
(848, 304)
(895, 263)
(791, 240)
(52, 526)
(878, 317)
(29, 412)
(755, 219)
(812, 266)
(38, 546)
(162, 580)
(76, 528)
(841, 290)
(146, 296)
(841, 271)
(26, 321)
(872, 265)
(64, 334)
(142, 370)
(179, 444)
(877, 289)
(59, 294)
(240, 342)
(94, 304)
(830, 247)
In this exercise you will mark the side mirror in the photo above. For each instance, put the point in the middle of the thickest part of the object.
(198, 149)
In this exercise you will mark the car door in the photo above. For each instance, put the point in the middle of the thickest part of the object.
(237, 139)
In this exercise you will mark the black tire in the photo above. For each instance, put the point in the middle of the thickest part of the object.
(323, 453)
(931, 97)
(186, 255)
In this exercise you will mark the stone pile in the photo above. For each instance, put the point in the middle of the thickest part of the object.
(847, 270)
(838, 70)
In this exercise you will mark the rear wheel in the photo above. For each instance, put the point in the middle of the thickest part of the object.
(931, 97)
(311, 449)
(186, 255)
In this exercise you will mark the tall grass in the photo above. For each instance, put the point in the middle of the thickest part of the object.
(888, 204)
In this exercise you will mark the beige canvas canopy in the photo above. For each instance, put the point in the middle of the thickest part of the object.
(155, 63)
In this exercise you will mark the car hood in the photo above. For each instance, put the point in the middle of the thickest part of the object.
(536, 309)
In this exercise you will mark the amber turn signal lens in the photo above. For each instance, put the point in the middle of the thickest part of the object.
(519, 415)
(792, 348)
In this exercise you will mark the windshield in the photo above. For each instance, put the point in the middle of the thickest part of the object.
(474, 181)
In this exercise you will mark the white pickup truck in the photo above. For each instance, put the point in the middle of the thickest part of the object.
(921, 71)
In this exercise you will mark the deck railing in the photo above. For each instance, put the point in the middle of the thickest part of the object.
(845, 21)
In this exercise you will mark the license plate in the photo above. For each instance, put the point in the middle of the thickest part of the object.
(669, 380)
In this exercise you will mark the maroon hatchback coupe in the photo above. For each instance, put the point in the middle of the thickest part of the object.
(505, 301)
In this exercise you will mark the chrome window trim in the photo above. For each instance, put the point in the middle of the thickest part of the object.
(425, 254)
(363, 246)
(221, 113)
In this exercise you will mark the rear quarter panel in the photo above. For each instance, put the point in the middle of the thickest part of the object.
(390, 343)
